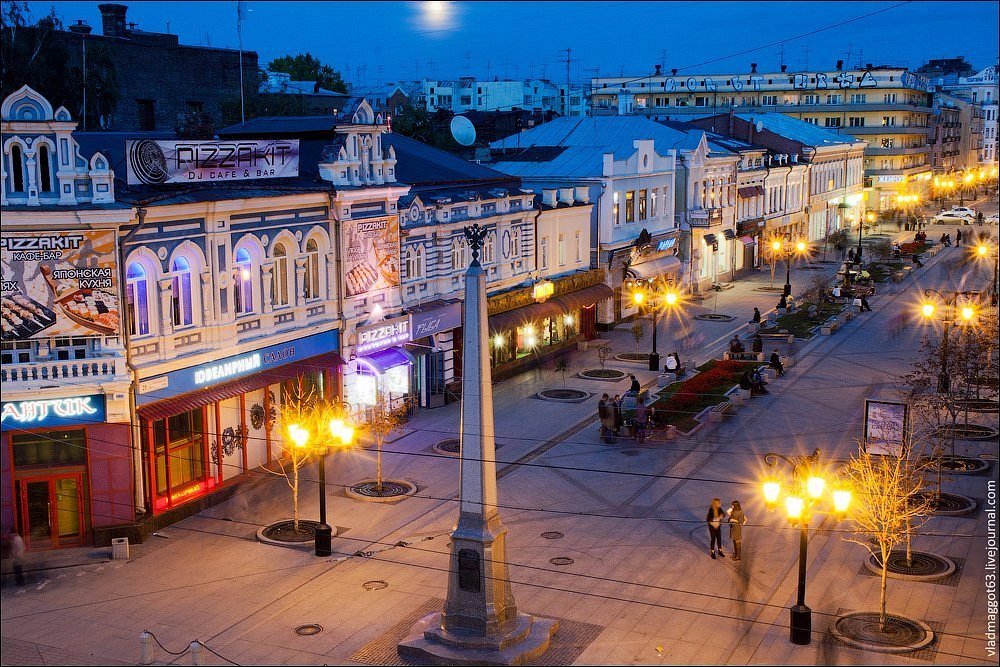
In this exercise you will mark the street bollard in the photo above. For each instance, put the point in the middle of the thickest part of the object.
(197, 653)
(671, 432)
(145, 648)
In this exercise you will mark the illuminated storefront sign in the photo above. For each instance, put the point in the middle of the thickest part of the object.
(543, 290)
(385, 334)
(665, 244)
(234, 367)
(53, 412)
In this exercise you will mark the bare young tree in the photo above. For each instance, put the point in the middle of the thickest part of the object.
(769, 255)
(562, 367)
(603, 354)
(295, 422)
(889, 505)
(638, 333)
(382, 420)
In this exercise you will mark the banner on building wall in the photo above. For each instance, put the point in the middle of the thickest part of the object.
(155, 162)
(372, 256)
(59, 284)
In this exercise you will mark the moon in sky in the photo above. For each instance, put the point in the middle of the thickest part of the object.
(436, 14)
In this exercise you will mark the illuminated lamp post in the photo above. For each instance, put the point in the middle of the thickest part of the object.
(807, 487)
(966, 315)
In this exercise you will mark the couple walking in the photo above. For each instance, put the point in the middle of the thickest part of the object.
(736, 520)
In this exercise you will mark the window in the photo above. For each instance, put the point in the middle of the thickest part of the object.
(458, 254)
(615, 210)
(578, 240)
(833, 98)
(279, 277)
(630, 206)
(489, 249)
(178, 450)
(889, 98)
(414, 262)
(769, 100)
(181, 300)
(543, 253)
(195, 106)
(859, 98)
(888, 142)
(812, 120)
(642, 204)
(147, 114)
(652, 204)
(311, 284)
(17, 168)
(888, 121)
(701, 101)
(857, 121)
(243, 283)
(137, 299)
(810, 99)
(45, 169)
(832, 122)
(562, 250)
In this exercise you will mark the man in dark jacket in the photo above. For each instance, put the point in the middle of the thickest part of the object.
(776, 364)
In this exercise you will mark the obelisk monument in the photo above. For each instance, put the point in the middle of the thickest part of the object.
(480, 623)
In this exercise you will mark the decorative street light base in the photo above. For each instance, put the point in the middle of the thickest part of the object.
(324, 539)
(783, 303)
(654, 361)
(800, 630)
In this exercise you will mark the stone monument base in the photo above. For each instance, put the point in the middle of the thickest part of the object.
(429, 644)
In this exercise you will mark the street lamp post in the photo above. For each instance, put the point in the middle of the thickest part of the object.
(643, 292)
(789, 248)
(967, 315)
(808, 486)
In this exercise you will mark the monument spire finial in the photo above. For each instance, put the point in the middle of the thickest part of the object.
(475, 235)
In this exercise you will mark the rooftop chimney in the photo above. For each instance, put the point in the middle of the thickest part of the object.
(674, 71)
(840, 65)
(657, 73)
(549, 197)
(784, 68)
(113, 20)
(868, 66)
(753, 68)
(80, 27)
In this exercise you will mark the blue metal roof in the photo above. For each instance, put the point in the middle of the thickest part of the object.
(797, 130)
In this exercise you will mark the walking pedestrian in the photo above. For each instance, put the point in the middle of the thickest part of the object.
(737, 519)
(958, 239)
(864, 304)
(17, 557)
(606, 414)
(714, 520)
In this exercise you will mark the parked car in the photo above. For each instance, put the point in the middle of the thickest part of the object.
(992, 219)
(952, 218)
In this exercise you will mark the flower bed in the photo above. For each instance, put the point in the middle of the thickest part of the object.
(800, 323)
(678, 403)
(912, 247)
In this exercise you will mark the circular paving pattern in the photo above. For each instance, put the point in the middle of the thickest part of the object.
(949, 504)
(391, 489)
(967, 432)
(375, 585)
(860, 629)
(715, 317)
(769, 289)
(553, 535)
(632, 356)
(561, 560)
(977, 405)
(923, 566)
(308, 630)
(961, 465)
(449, 446)
(563, 394)
(285, 531)
(603, 374)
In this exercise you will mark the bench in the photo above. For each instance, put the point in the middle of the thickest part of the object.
(829, 327)
(718, 411)
(779, 335)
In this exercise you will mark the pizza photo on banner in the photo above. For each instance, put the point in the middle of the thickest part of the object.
(61, 283)
(372, 258)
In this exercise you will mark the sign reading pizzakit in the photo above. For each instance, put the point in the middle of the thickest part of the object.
(155, 162)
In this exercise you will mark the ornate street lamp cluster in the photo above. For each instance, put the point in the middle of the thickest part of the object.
(964, 315)
(806, 491)
(646, 291)
(787, 247)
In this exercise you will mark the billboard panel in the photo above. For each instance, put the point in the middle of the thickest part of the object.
(155, 161)
(372, 257)
(885, 427)
(59, 284)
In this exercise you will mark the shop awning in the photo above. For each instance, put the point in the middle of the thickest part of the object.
(709, 239)
(383, 360)
(750, 191)
(729, 234)
(518, 317)
(583, 298)
(655, 268)
(220, 392)
(747, 240)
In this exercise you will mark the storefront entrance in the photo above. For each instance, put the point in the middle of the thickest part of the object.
(52, 511)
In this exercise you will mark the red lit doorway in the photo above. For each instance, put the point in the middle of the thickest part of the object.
(51, 511)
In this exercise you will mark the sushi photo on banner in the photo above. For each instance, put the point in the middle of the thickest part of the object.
(372, 257)
(60, 283)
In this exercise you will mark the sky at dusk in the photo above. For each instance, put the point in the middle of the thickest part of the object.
(374, 42)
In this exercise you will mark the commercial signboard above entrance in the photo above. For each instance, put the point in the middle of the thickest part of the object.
(45, 413)
(154, 162)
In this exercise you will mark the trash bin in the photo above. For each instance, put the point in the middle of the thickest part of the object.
(119, 548)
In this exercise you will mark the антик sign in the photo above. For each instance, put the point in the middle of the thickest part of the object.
(75, 411)
(154, 162)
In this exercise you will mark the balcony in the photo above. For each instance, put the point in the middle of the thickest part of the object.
(882, 129)
(913, 150)
(64, 372)
(704, 218)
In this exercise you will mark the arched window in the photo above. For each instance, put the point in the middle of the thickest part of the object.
(45, 169)
(414, 263)
(458, 260)
(183, 310)
(17, 168)
(311, 288)
(137, 299)
(243, 284)
(489, 248)
(279, 277)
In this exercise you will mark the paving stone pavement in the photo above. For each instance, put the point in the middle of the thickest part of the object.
(640, 588)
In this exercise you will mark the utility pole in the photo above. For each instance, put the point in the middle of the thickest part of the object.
(239, 33)
(569, 53)
(663, 60)
(781, 56)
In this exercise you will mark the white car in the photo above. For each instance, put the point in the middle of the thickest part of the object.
(992, 219)
(952, 218)
(962, 211)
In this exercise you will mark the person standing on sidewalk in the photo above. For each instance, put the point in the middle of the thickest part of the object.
(864, 304)
(616, 413)
(758, 344)
(737, 519)
(606, 414)
(17, 557)
(714, 520)
(958, 239)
